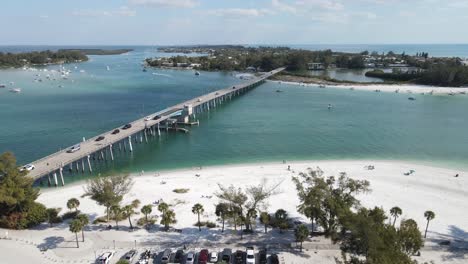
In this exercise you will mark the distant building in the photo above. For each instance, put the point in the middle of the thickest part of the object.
(465, 62)
(251, 68)
(316, 66)
(195, 65)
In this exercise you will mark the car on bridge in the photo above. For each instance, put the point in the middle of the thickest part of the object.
(100, 138)
(28, 167)
(74, 148)
(116, 131)
(156, 117)
(127, 126)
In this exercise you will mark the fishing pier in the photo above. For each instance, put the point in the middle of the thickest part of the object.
(103, 146)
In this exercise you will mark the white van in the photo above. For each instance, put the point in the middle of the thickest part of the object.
(105, 258)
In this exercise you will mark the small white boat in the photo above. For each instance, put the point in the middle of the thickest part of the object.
(108, 68)
(15, 90)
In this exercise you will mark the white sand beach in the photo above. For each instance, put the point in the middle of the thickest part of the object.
(392, 88)
(429, 188)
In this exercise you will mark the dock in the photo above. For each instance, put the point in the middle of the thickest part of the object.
(52, 166)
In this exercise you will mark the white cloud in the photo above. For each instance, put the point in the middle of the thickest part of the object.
(322, 4)
(283, 7)
(165, 3)
(239, 12)
(122, 11)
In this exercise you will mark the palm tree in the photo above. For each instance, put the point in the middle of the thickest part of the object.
(198, 209)
(168, 218)
(301, 234)
(73, 203)
(395, 212)
(128, 211)
(75, 227)
(146, 210)
(163, 207)
(116, 213)
(265, 219)
(429, 215)
(281, 218)
(222, 211)
(84, 219)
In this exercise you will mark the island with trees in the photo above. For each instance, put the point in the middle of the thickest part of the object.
(414, 69)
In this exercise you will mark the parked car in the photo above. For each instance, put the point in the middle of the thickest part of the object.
(214, 257)
(156, 117)
(130, 255)
(274, 259)
(74, 148)
(148, 118)
(127, 126)
(226, 255)
(250, 255)
(28, 167)
(262, 256)
(190, 259)
(116, 131)
(239, 257)
(166, 255)
(100, 138)
(179, 255)
(203, 256)
(105, 258)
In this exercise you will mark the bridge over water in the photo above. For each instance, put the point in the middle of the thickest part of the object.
(91, 150)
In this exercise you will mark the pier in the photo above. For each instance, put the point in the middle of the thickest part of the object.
(52, 167)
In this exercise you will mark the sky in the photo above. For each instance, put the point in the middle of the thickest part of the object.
(185, 22)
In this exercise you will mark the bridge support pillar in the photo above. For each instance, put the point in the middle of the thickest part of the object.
(82, 166)
(159, 131)
(61, 176)
(89, 165)
(146, 136)
(111, 154)
(130, 143)
(55, 179)
(48, 180)
(70, 167)
(77, 166)
(120, 146)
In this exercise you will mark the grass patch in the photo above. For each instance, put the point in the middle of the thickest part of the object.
(181, 190)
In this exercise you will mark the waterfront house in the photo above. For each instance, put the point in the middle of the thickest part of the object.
(316, 66)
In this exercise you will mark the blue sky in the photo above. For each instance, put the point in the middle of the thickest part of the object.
(153, 22)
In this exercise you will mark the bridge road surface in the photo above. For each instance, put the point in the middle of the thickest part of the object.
(60, 159)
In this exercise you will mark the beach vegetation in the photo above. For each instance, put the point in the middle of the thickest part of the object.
(409, 237)
(18, 206)
(76, 226)
(198, 209)
(84, 219)
(168, 218)
(53, 216)
(281, 220)
(117, 214)
(301, 233)
(129, 210)
(429, 215)
(265, 219)
(73, 203)
(108, 191)
(395, 212)
(146, 210)
(222, 212)
(17, 60)
(181, 190)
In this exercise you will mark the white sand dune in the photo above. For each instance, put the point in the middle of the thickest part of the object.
(429, 188)
(401, 88)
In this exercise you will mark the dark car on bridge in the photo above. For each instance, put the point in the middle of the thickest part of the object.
(156, 117)
(127, 126)
(100, 138)
(116, 131)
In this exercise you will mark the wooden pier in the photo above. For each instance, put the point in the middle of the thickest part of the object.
(53, 166)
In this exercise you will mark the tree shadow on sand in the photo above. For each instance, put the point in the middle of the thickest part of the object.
(455, 243)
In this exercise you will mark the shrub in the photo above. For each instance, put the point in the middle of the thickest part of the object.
(100, 220)
(181, 190)
(70, 215)
(142, 221)
(123, 261)
(36, 214)
(210, 224)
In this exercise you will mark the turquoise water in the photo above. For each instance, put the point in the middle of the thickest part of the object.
(262, 125)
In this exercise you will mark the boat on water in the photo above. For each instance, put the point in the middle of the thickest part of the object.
(107, 67)
(322, 86)
(2, 85)
(279, 91)
(330, 106)
(15, 90)
(197, 73)
(411, 98)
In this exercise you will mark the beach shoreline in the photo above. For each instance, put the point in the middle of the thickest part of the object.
(374, 87)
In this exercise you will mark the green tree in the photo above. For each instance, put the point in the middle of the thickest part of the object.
(301, 233)
(395, 212)
(108, 191)
(52, 216)
(265, 219)
(117, 213)
(281, 219)
(129, 210)
(18, 206)
(75, 227)
(409, 237)
(163, 208)
(429, 215)
(146, 210)
(198, 209)
(168, 218)
(84, 219)
(73, 203)
(222, 211)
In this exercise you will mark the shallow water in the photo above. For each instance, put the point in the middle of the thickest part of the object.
(263, 125)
